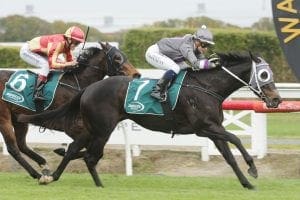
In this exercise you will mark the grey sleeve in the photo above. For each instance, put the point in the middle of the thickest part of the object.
(188, 53)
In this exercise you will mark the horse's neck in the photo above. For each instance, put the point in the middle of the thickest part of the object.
(227, 84)
(84, 77)
(220, 82)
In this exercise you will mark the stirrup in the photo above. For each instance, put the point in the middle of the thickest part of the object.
(39, 98)
(160, 97)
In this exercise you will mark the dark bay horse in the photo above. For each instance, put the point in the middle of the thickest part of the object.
(94, 65)
(198, 110)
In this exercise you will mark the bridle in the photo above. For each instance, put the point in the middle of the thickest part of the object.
(255, 79)
(114, 67)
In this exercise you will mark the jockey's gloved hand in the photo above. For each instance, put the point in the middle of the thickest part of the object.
(215, 60)
(195, 68)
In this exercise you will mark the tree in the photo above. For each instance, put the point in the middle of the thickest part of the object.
(264, 24)
(17, 28)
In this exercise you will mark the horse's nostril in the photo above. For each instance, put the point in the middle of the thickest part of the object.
(277, 100)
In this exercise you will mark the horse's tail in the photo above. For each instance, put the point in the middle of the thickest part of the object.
(50, 118)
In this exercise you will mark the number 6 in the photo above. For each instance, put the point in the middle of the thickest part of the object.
(19, 83)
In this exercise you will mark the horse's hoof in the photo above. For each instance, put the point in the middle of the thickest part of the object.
(46, 172)
(249, 186)
(252, 172)
(44, 180)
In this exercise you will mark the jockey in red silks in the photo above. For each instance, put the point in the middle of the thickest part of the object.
(43, 52)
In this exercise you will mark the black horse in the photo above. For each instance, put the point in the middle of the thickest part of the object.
(198, 110)
(94, 65)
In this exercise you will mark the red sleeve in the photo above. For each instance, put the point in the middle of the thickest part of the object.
(69, 56)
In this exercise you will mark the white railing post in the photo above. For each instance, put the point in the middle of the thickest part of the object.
(128, 157)
(259, 137)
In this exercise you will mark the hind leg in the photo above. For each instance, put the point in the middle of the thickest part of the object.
(7, 130)
(71, 154)
(93, 154)
(20, 133)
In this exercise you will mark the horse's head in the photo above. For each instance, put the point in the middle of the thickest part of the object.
(259, 77)
(117, 62)
(263, 83)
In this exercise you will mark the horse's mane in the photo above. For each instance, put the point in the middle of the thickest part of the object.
(87, 53)
(233, 57)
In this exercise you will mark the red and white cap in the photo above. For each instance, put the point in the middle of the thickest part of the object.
(75, 33)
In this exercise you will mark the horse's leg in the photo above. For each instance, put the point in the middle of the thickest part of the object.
(249, 160)
(225, 151)
(62, 152)
(20, 133)
(219, 133)
(71, 154)
(8, 134)
(93, 154)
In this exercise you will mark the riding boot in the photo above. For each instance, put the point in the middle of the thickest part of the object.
(38, 91)
(160, 90)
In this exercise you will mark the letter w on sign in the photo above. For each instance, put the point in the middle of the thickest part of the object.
(286, 18)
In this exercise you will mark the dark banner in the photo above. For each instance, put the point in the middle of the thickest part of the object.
(287, 24)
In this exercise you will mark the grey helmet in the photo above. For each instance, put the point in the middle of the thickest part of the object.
(204, 35)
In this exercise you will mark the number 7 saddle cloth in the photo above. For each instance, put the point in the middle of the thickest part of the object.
(19, 88)
(139, 101)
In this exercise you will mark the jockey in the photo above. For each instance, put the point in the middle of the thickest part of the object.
(175, 54)
(43, 52)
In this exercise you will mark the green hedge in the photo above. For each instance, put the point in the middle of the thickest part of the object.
(9, 58)
(136, 42)
(265, 44)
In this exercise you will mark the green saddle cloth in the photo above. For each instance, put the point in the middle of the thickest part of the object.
(20, 88)
(139, 101)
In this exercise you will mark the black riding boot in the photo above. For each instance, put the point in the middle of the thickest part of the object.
(160, 90)
(38, 91)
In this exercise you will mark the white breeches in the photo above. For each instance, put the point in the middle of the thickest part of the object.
(160, 61)
(35, 60)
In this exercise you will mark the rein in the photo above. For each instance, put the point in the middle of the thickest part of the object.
(214, 94)
(258, 92)
(77, 87)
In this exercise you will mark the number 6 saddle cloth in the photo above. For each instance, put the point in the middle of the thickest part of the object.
(139, 101)
(19, 88)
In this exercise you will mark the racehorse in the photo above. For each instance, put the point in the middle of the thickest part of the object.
(93, 65)
(198, 110)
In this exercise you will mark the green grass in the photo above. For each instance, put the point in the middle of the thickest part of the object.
(80, 186)
(279, 125)
(283, 125)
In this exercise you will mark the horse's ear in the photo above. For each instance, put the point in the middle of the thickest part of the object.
(254, 58)
(101, 44)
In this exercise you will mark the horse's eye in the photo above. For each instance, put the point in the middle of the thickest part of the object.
(118, 58)
(264, 75)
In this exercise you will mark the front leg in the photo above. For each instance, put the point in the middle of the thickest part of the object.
(224, 149)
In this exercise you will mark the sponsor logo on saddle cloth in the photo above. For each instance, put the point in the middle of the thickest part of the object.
(19, 88)
(139, 101)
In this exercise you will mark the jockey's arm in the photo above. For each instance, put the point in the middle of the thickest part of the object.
(55, 61)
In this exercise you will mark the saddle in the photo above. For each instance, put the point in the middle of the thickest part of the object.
(19, 89)
(139, 101)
